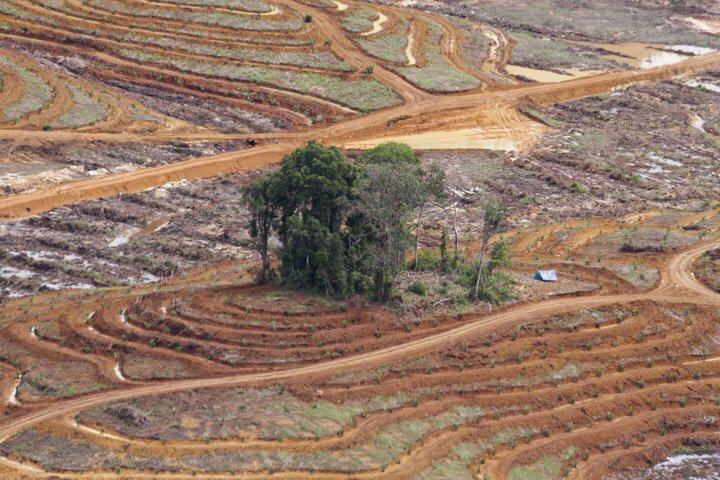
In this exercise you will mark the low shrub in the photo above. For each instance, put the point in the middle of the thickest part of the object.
(418, 288)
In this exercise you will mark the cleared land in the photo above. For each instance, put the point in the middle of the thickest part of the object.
(134, 343)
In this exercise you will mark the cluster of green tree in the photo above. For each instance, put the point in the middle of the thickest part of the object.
(344, 228)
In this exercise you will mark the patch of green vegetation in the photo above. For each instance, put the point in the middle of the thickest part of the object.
(312, 59)
(359, 19)
(512, 434)
(375, 453)
(36, 95)
(641, 276)
(53, 381)
(388, 46)
(330, 411)
(212, 18)
(361, 94)
(396, 438)
(347, 228)
(545, 53)
(547, 468)
(13, 11)
(475, 44)
(438, 75)
(446, 470)
(85, 111)
(579, 188)
(256, 6)
(418, 288)
(426, 260)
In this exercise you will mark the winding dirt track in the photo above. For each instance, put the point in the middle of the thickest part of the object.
(677, 286)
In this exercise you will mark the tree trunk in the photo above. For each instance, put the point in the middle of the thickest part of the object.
(480, 267)
(264, 240)
(455, 233)
(417, 238)
(443, 247)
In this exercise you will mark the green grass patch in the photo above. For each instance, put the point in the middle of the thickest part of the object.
(362, 95)
(359, 19)
(438, 75)
(86, 110)
(36, 95)
(211, 18)
(388, 46)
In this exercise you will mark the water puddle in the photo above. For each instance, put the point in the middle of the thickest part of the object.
(546, 76)
(645, 55)
(536, 75)
(463, 139)
(377, 25)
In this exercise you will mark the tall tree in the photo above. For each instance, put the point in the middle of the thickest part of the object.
(342, 228)
(306, 201)
(494, 215)
(313, 189)
(392, 190)
(263, 211)
(433, 188)
(387, 196)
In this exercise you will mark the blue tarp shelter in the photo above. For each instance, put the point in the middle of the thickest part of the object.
(546, 275)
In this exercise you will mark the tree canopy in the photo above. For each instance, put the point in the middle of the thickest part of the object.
(389, 153)
(342, 228)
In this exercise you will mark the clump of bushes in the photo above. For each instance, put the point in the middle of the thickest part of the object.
(418, 288)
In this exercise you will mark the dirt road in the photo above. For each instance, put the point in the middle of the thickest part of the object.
(677, 286)
(276, 145)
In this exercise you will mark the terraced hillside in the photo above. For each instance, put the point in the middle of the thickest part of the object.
(37, 97)
(135, 343)
(556, 385)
